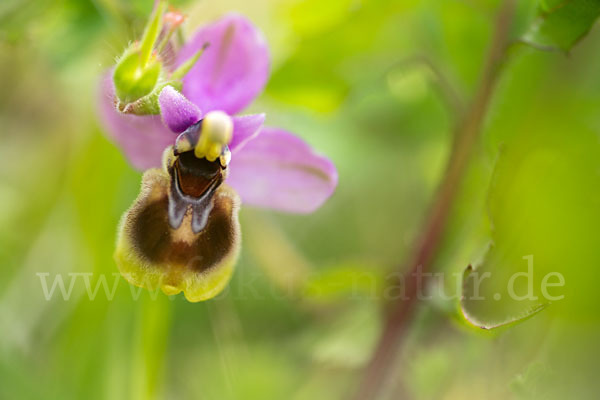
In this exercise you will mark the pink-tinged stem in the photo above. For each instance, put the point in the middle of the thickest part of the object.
(467, 132)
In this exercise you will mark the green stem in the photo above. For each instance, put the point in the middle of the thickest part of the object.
(150, 338)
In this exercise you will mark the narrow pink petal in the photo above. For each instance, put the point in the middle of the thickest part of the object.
(178, 113)
(245, 128)
(279, 170)
(141, 138)
(232, 71)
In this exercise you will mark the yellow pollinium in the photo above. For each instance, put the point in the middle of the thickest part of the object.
(216, 133)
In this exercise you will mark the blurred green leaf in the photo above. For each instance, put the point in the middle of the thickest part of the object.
(561, 24)
(543, 202)
(486, 315)
(533, 383)
(344, 282)
(347, 340)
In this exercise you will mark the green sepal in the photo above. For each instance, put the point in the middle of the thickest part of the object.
(138, 71)
(151, 33)
(184, 68)
(140, 76)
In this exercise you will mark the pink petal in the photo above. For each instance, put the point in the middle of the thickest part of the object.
(142, 138)
(232, 71)
(178, 113)
(245, 128)
(279, 170)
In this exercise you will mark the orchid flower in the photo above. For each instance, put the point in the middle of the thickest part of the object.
(178, 122)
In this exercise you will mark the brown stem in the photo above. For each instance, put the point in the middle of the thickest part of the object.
(467, 133)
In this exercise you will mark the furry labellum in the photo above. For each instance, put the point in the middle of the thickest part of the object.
(182, 232)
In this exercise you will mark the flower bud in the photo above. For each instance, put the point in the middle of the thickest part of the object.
(132, 81)
(138, 70)
(141, 72)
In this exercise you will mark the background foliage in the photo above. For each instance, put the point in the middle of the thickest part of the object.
(360, 81)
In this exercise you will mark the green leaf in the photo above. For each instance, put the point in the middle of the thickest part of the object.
(544, 208)
(485, 315)
(561, 24)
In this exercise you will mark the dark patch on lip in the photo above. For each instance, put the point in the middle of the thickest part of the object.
(154, 240)
(150, 230)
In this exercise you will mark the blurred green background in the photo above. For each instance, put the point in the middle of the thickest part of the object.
(361, 81)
